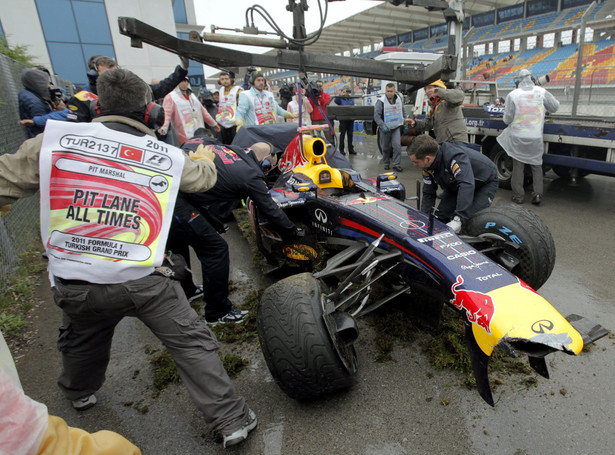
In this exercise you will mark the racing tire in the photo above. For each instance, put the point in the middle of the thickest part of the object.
(295, 342)
(536, 252)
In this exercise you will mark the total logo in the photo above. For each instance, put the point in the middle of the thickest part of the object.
(488, 277)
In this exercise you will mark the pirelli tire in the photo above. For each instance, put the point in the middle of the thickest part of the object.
(295, 342)
(516, 224)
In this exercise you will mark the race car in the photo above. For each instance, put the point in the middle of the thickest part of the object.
(360, 233)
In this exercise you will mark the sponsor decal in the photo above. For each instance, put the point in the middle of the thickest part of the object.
(367, 200)
(504, 230)
(463, 254)
(542, 326)
(321, 215)
(448, 245)
(488, 277)
(322, 228)
(436, 237)
(474, 266)
(479, 307)
(324, 177)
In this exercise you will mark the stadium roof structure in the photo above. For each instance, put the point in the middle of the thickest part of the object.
(372, 25)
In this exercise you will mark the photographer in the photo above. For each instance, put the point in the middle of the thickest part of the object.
(323, 99)
(59, 113)
(286, 95)
(34, 99)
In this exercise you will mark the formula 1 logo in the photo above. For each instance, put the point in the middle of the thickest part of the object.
(479, 306)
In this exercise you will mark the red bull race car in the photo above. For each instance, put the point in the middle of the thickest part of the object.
(362, 233)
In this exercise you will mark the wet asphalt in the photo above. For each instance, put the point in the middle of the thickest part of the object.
(399, 407)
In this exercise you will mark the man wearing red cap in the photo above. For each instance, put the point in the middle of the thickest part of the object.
(445, 117)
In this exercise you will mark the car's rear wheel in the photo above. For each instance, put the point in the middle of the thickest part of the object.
(510, 226)
(303, 358)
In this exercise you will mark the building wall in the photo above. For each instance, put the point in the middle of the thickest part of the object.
(22, 26)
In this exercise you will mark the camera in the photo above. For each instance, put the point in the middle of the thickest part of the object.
(56, 95)
(316, 90)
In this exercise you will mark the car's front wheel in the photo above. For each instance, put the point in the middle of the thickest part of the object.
(303, 357)
(527, 247)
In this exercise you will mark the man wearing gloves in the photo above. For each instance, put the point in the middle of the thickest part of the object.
(390, 116)
(107, 192)
(468, 178)
(445, 117)
(258, 106)
(524, 113)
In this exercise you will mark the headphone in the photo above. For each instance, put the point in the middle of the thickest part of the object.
(152, 115)
(93, 72)
(266, 165)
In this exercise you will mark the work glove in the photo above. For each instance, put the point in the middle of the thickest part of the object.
(184, 62)
(385, 129)
(455, 224)
(239, 123)
(202, 154)
(290, 115)
(294, 235)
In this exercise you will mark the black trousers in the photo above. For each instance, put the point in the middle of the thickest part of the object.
(190, 228)
(346, 130)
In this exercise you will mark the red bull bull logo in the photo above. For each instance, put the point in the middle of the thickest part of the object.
(479, 307)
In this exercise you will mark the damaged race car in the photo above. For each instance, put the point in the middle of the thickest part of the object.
(360, 233)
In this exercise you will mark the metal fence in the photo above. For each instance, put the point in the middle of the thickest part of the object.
(20, 227)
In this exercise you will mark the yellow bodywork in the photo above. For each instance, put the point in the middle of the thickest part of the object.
(316, 168)
(521, 313)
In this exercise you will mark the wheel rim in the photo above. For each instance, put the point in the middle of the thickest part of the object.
(503, 163)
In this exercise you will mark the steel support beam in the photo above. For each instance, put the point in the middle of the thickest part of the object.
(139, 33)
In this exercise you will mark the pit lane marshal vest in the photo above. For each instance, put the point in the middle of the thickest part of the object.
(264, 108)
(227, 107)
(393, 113)
(107, 201)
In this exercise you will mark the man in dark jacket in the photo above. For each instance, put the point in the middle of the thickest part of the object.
(239, 176)
(469, 179)
(346, 126)
(34, 98)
